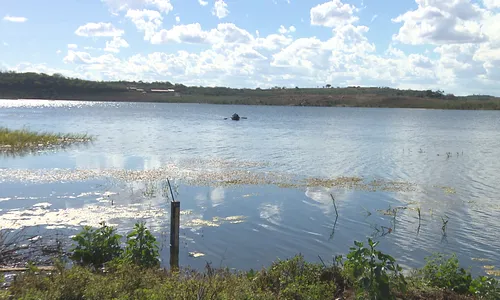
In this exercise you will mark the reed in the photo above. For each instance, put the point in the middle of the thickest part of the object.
(445, 220)
(12, 140)
(335, 206)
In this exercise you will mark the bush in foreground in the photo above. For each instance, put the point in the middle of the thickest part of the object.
(365, 273)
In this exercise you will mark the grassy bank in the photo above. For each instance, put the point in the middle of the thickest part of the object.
(104, 270)
(42, 86)
(21, 140)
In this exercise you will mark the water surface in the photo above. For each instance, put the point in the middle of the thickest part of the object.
(248, 224)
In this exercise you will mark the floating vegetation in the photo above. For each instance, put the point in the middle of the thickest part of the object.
(345, 182)
(200, 223)
(390, 211)
(495, 273)
(196, 254)
(447, 189)
(215, 222)
(91, 215)
(201, 177)
(223, 163)
(245, 196)
(232, 219)
(480, 259)
(20, 141)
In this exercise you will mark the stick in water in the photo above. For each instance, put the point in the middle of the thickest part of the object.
(334, 205)
(171, 193)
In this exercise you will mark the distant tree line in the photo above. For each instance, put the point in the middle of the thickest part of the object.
(55, 86)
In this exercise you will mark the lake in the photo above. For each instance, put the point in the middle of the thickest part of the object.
(259, 189)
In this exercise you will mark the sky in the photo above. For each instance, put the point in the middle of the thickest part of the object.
(451, 45)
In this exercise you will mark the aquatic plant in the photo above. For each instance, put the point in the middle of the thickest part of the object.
(18, 140)
(419, 219)
(335, 206)
(444, 224)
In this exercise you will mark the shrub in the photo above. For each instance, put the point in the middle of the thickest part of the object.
(295, 279)
(95, 247)
(445, 272)
(375, 274)
(142, 248)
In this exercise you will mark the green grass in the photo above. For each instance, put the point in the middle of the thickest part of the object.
(12, 140)
(103, 270)
(287, 279)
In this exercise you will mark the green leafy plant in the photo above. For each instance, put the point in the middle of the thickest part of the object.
(142, 248)
(445, 272)
(296, 279)
(95, 247)
(485, 287)
(374, 273)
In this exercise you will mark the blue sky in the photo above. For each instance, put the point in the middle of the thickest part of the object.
(452, 45)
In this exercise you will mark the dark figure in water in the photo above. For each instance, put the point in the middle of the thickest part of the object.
(235, 117)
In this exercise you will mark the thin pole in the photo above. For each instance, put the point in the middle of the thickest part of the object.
(175, 211)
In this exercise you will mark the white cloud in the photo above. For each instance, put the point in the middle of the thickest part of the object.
(58, 52)
(190, 33)
(203, 3)
(220, 9)
(8, 18)
(148, 21)
(457, 60)
(98, 29)
(491, 4)
(272, 42)
(72, 46)
(226, 33)
(92, 48)
(115, 44)
(441, 22)
(333, 14)
(177, 19)
(5, 44)
(44, 68)
(100, 63)
(164, 6)
(284, 30)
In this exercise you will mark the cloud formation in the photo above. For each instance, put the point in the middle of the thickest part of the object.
(12, 19)
(452, 45)
(98, 30)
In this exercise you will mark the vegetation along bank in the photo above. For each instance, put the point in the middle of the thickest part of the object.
(105, 265)
(41, 86)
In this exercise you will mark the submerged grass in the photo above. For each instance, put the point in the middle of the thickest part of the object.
(18, 140)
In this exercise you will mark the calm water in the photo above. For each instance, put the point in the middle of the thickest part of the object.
(248, 225)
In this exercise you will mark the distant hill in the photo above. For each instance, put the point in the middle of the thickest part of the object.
(42, 86)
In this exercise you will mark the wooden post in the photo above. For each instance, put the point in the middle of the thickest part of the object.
(175, 214)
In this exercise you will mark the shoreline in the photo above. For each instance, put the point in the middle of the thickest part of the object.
(57, 87)
(471, 105)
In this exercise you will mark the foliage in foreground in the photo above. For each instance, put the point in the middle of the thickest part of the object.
(96, 247)
(365, 273)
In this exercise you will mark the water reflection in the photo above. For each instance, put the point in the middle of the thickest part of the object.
(217, 196)
(271, 213)
(254, 169)
(45, 151)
